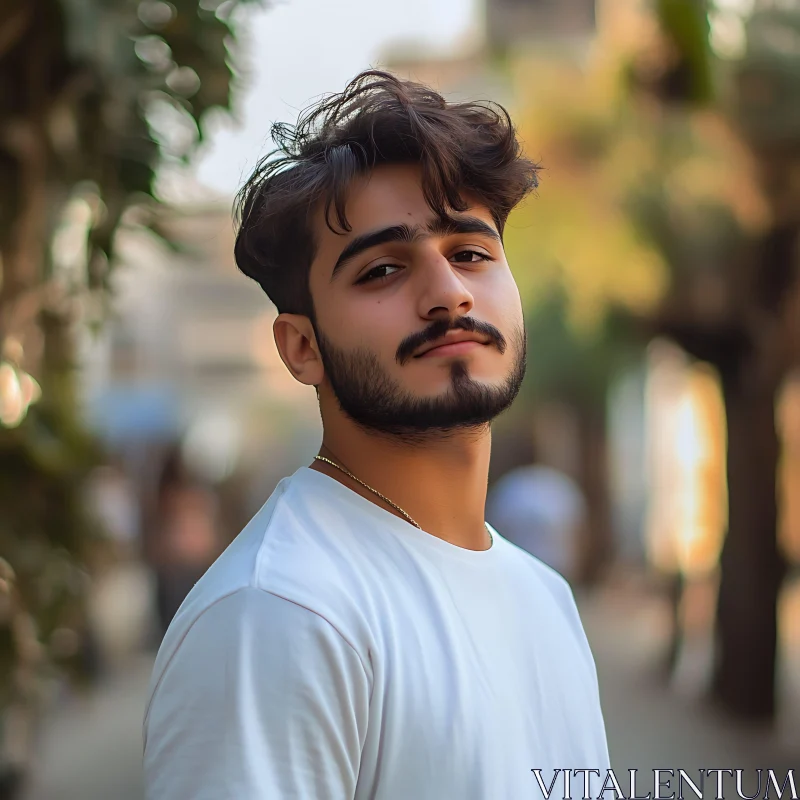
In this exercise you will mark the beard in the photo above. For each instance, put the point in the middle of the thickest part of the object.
(375, 401)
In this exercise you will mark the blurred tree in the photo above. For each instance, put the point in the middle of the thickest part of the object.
(574, 370)
(95, 96)
(734, 297)
(674, 196)
(579, 261)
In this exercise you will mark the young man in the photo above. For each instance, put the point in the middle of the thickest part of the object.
(367, 635)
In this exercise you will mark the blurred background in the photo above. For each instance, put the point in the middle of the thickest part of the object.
(653, 456)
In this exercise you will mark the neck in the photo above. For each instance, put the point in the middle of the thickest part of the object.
(440, 483)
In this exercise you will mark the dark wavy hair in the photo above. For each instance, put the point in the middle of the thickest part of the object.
(378, 119)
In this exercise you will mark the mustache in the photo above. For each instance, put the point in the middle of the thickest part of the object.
(440, 327)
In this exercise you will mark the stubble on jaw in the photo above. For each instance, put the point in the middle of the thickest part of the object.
(376, 402)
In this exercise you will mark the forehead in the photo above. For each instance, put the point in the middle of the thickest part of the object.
(388, 195)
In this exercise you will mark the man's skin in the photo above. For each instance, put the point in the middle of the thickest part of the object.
(441, 483)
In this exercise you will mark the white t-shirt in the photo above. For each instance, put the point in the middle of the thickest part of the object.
(336, 651)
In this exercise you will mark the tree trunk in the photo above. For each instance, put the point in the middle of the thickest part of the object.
(597, 550)
(752, 568)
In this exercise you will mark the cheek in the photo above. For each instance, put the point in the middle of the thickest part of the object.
(377, 324)
(509, 288)
(501, 302)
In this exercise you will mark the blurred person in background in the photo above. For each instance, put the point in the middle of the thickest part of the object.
(112, 496)
(188, 539)
(115, 566)
(543, 511)
(368, 634)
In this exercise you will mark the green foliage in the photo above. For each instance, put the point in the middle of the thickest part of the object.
(583, 268)
(108, 91)
(572, 366)
(766, 93)
(95, 96)
(652, 206)
(693, 235)
(689, 70)
(720, 275)
(45, 534)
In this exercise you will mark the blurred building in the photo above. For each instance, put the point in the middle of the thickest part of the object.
(186, 334)
(520, 22)
(561, 26)
(188, 357)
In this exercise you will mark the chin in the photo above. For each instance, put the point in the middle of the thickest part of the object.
(429, 388)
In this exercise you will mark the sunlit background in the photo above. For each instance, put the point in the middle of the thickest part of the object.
(653, 455)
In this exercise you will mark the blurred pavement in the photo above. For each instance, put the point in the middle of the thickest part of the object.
(651, 725)
(91, 749)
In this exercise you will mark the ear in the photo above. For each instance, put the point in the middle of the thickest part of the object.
(297, 347)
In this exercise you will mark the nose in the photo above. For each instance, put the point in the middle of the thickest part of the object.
(442, 291)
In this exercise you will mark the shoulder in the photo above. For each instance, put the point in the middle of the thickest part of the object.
(318, 554)
(563, 598)
(549, 585)
(295, 548)
(235, 708)
(245, 633)
(295, 567)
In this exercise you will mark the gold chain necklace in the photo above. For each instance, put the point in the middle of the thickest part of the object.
(383, 497)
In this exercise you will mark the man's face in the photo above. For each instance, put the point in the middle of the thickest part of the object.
(400, 282)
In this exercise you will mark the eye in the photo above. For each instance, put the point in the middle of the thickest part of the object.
(378, 273)
(466, 256)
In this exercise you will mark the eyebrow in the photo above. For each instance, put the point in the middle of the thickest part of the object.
(441, 226)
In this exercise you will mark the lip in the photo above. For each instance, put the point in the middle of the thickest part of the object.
(452, 348)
